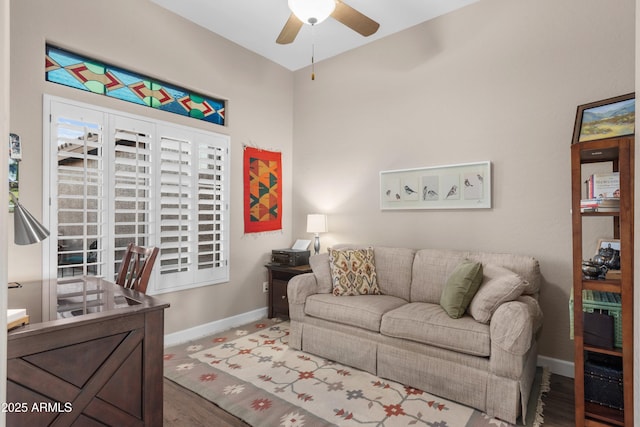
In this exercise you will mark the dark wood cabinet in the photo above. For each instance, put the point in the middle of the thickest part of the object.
(94, 356)
(279, 276)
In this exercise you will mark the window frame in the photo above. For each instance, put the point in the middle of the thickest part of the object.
(217, 272)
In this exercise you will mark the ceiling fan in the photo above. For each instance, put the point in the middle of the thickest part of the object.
(313, 12)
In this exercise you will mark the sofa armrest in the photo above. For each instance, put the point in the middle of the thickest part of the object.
(512, 328)
(512, 337)
(534, 310)
(300, 287)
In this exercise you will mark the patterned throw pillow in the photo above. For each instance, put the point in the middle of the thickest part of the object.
(353, 272)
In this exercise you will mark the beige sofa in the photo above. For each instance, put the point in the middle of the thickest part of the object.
(404, 334)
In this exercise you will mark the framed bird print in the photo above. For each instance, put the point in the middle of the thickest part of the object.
(460, 186)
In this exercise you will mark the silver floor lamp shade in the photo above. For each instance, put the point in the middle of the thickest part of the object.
(27, 229)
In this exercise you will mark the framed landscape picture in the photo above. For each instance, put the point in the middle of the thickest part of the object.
(604, 119)
(461, 186)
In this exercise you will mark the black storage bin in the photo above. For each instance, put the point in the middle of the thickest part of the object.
(603, 381)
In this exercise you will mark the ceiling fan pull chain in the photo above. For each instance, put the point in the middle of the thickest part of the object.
(313, 52)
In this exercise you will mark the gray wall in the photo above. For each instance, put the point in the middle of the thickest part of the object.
(146, 38)
(498, 80)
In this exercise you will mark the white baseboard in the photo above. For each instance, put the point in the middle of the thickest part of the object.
(557, 366)
(215, 327)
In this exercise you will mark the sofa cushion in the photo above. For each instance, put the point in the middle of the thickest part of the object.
(460, 288)
(431, 269)
(363, 311)
(353, 272)
(499, 285)
(393, 268)
(320, 266)
(527, 267)
(429, 324)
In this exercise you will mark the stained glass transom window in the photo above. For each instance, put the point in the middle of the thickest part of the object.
(83, 73)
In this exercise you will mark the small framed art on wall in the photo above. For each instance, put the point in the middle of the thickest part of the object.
(459, 186)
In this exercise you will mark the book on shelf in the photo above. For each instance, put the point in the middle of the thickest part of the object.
(610, 204)
(603, 185)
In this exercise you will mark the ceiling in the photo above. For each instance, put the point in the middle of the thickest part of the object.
(255, 24)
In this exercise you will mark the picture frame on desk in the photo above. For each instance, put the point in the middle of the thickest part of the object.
(608, 118)
(615, 245)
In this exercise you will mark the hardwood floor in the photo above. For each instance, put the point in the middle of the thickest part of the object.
(184, 408)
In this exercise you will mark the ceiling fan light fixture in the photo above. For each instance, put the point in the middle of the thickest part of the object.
(312, 11)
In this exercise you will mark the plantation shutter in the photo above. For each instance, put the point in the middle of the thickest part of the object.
(118, 178)
(78, 170)
(132, 199)
(176, 206)
(212, 209)
(193, 207)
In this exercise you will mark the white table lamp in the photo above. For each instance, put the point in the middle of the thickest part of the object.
(317, 223)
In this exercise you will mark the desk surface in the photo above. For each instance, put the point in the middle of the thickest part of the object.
(55, 302)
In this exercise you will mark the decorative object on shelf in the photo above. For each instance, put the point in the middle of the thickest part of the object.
(604, 119)
(459, 186)
(606, 262)
(317, 223)
(262, 190)
(81, 72)
(592, 270)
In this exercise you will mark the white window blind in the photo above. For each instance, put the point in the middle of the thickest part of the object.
(121, 178)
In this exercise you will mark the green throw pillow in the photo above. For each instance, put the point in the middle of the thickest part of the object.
(460, 288)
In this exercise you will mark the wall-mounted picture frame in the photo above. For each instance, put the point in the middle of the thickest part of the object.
(16, 147)
(458, 186)
(609, 118)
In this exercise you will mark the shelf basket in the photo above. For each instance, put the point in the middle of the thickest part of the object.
(605, 302)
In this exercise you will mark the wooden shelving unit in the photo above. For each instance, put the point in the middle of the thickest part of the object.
(619, 152)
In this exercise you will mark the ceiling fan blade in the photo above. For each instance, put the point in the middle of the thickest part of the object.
(290, 30)
(353, 19)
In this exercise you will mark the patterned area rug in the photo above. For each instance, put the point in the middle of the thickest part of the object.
(252, 373)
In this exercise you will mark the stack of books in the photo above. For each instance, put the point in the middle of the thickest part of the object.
(600, 205)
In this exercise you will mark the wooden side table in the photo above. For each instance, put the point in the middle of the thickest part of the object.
(279, 276)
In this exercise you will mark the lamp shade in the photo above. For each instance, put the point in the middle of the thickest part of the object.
(312, 11)
(27, 229)
(316, 223)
